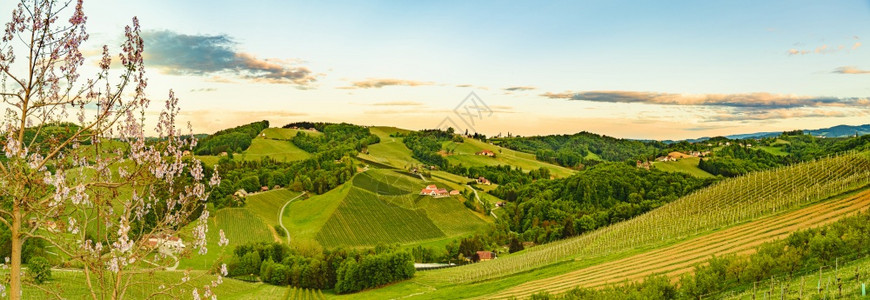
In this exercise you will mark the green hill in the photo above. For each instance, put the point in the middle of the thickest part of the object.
(816, 186)
(687, 165)
(465, 153)
(379, 206)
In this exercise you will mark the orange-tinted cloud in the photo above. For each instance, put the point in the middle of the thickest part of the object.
(850, 70)
(382, 82)
(209, 55)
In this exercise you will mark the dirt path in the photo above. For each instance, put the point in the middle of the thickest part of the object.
(680, 258)
(281, 215)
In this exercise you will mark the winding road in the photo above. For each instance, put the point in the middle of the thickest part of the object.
(481, 201)
(281, 214)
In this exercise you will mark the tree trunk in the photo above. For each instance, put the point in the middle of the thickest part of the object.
(15, 272)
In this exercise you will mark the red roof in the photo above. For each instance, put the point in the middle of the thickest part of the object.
(484, 254)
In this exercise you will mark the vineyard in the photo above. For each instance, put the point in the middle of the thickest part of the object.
(363, 219)
(725, 204)
(240, 226)
(385, 182)
(294, 293)
(680, 258)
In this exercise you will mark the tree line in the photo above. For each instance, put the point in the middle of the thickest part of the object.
(571, 150)
(548, 210)
(236, 139)
(344, 270)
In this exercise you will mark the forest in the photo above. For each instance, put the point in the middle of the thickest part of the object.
(547, 210)
(344, 270)
(572, 150)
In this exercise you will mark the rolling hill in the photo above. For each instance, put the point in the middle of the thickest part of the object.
(728, 217)
(379, 206)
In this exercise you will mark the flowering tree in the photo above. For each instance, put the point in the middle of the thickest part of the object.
(78, 171)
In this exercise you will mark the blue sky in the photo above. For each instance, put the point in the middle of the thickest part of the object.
(656, 69)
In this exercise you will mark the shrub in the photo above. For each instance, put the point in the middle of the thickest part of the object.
(40, 269)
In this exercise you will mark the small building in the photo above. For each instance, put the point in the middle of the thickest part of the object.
(264, 188)
(485, 255)
(276, 187)
(643, 164)
(441, 193)
(223, 153)
(499, 204)
(481, 180)
(165, 242)
(430, 190)
(454, 192)
(486, 153)
(241, 193)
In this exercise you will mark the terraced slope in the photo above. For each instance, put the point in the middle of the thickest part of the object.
(680, 258)
(728, 203)
(380, 206)
(363, 219)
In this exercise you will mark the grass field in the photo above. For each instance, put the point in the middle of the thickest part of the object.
(72, 282)
(390, 151)
(774, 150)
(279, 150)
(464, 153)
(686, 165)
(304, 218)
(266, 205)
(285, 133)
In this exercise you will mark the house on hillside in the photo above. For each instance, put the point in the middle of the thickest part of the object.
(485, 255)
(676, 155)
(434, 191)
(665, 158)
(429, 190)
(499, 204)
(643, 164)
(454, 192)
(481, 180)
(165, 242)
(486, 153)
(264, 188)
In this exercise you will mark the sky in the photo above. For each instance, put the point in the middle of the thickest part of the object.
(631, 69)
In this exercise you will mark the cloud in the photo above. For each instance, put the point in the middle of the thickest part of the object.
(850, 70)
(397, 103)
(825, 49)
(209, 55)
(382, 82)
(463, 85)
(751, 100)
(776, 114)
(203, 90)
(519, 88)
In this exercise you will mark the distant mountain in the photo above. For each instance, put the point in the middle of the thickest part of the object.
(830, 132)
